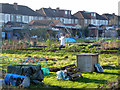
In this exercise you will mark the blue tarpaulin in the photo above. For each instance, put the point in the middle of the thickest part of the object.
(70, 40)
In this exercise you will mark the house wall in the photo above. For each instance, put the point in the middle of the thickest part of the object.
(97, 22)
(81, 20)
(4, 18)
(85, 22)
(68, 20)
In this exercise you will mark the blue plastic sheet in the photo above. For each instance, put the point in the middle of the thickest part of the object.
(70, 40)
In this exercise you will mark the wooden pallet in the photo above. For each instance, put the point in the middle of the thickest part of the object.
(73, 72)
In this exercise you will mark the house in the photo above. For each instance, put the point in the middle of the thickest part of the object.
(64, 16)
(86, 18)
(112, 19)
(92, 20)
(17, 13)
(118, 21)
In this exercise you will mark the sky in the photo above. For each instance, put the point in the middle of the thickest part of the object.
(99, 6)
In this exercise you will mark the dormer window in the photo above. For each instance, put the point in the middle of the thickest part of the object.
(66, 12)
(93, 15)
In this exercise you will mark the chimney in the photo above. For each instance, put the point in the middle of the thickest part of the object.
(16, 6)
(113, 14)
(49, 7)
(57, 9)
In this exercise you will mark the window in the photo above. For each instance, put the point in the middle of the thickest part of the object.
(69, 13)
(98, 22)
(1, 17)
(66, 21)
(57, 18)
(101, 22)
(7, 18)
(49, 18)
(85, 21)
(76, 21)
(72, 21)
(18, 18)
(94, 14)
(34, 18)
(62, 20)
(25, 19)
(12, 18)
(66, 12)
(92, 21)
(30, 18)
(41, 18)
(119, 22)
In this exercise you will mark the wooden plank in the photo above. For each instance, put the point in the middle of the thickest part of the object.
(69, 65)
(76, 74)
(76, 78)
(71, 68)
(70, 73)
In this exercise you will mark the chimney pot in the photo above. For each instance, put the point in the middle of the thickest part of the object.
(16, 6)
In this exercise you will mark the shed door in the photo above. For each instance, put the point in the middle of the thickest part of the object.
(8, 35)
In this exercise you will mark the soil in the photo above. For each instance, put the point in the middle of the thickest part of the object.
(89, 41)
(54, 69)
(38, 58)
(39, 46)
(82, 45)
(30, 49)
(108, 52)
(96, 45)
(112, 48)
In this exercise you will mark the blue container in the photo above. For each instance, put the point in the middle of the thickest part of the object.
(45, 71)
(8, 36)
(14, 79)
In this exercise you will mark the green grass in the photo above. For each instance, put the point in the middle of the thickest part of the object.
(109, 62)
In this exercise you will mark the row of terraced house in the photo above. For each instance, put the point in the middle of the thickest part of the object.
(16, 17)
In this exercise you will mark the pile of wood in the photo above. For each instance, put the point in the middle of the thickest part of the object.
(73, 72)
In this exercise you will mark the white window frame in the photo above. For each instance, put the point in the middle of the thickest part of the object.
(18, 18)
(66, 12)
(7, 17)
(85, 21)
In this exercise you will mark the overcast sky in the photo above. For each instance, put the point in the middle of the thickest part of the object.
(99, 6)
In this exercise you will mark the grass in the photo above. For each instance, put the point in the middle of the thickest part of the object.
(109, 62)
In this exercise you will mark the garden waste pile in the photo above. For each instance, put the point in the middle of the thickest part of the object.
(21, 75)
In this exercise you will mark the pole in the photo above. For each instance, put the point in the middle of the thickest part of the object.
(97, 34)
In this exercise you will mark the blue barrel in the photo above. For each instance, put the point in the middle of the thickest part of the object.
(14, 79)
